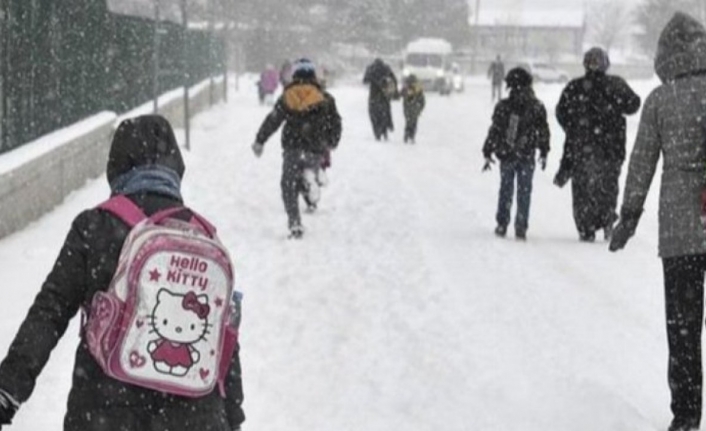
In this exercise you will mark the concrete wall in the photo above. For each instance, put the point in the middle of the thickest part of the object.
(36, 186)
(44, 172)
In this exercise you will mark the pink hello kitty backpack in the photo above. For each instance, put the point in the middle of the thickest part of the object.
(167, 320)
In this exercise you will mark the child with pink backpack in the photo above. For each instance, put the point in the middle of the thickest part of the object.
(154, 286)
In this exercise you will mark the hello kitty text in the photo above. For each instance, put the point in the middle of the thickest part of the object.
(188, 271)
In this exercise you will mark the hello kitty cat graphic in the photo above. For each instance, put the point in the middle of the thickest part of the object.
(180, 321)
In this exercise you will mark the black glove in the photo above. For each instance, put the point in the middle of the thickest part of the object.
(542, 161)
(562, 177)
(257, 149)
(8, 408)
(488, 161)
(625, 229)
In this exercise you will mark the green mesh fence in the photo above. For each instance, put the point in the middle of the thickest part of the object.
(61, 61)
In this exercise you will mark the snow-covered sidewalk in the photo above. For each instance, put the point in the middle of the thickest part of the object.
(400, 309)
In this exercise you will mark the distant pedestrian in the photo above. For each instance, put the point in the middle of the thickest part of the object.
(312, 125)
(413, 102)
(383, 88)
(518, 131)
(592, 112)
(268, 84)
(672, 128)
(496, 73)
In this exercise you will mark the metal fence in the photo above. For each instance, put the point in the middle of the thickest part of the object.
(61, 61)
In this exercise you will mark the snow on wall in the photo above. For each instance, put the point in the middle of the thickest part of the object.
(37, 176)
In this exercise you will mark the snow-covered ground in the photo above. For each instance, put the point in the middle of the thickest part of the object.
(400, 310)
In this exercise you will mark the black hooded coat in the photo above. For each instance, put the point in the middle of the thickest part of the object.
(592, 112)
(85, 265)
(379, 76)
(532, 130)
(311, 120)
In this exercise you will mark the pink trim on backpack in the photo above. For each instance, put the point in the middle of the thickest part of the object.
(125, 209)
(110, 327)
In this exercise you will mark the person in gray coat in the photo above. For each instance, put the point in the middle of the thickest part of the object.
(673, 124)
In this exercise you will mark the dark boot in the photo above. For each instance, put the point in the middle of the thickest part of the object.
(296, 231)
(608, 232)
(588, 236)
(680, 424)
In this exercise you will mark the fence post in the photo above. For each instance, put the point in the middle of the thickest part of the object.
(211, 53)
(224, 59)
(155, 59)
(185, 65)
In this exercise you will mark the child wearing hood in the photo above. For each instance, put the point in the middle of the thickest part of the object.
(312, 126)
(519, 129)
(413, 102)
(146, 167)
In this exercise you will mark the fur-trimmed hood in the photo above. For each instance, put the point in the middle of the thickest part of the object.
(300, 97)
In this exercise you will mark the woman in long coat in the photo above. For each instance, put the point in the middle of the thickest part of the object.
(673, 125)
(383, 88)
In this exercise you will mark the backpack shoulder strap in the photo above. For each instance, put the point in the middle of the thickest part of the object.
(123, 208)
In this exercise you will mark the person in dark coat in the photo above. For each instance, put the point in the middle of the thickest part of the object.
(383, 88)
(519, 129)
(496, 73)
(672, 127)
(413, 102)
(144, 164)
(592, 112)
(311, 126)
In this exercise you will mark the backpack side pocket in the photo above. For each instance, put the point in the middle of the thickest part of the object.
(103, 326)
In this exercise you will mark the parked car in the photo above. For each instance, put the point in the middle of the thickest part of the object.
(544, 72)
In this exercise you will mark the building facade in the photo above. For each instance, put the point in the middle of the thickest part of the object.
(543, 36)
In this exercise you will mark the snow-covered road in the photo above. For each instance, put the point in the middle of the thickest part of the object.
(400, 309)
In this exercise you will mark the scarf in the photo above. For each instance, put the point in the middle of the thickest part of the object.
(148, 178)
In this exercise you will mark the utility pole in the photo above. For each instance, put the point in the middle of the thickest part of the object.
(185, 65)
(476, 37)
(211, 53)
(155, 59)
(227, 8)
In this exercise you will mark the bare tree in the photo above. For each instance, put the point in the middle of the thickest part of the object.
(608, 22)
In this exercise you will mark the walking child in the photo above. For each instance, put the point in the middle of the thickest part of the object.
(519, 129)
(413, 104)
(144, 170)
(311, 126)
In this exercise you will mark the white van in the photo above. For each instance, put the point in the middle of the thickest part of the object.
(429, 59)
